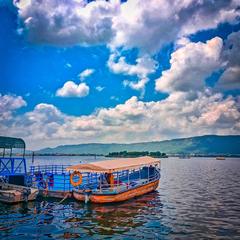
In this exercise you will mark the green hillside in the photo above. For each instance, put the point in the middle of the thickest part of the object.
(209, 144)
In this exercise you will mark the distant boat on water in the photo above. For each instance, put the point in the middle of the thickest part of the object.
(220, 158)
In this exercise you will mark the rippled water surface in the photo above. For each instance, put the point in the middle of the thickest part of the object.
(197, 198)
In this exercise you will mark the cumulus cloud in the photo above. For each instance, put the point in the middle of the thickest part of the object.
(143, 66)
(208, 15)
(86, 73)
(71, 89)
(190, 66)
(64, 23)
(147, 25)
(230, 79)
(131, 121)
(9, 104)
(138, 85)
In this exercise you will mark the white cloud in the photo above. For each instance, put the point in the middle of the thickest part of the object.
(86, 73)
(9, 104)
(230, 78)
(190, 66)
(232, 49)
(147, 25)
(138, 85)
(150, 24)
(65, 23)
(71, 89)
(68, 65)
(114, 98)
(132, 121)
(209, 14)
(143, 66)
(99, 88)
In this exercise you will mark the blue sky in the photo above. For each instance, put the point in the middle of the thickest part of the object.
(149, 71)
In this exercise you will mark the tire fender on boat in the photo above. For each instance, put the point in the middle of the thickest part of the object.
(75, 173)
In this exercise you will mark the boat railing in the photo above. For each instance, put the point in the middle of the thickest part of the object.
(51, 177)
(54, 169)
(119, 186)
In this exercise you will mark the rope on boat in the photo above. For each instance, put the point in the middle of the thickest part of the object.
(65, 197)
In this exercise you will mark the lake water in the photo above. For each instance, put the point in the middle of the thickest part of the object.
(198, 198)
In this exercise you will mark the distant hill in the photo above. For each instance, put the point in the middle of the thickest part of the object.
(209, 144)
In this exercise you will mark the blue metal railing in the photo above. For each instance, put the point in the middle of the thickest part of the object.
(121, 184)
(12, 166)
(51, 177)
(54, 169)
(56, 178)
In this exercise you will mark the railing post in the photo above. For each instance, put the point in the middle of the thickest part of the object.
(69, 184)
(148, 174)
(118, 181)
(64, 182)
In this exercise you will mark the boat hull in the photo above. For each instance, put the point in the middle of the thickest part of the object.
(10, 193)
(123, 196)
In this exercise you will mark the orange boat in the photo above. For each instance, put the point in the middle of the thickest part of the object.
(114, 180)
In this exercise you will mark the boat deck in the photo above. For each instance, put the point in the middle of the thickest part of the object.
(60, 185)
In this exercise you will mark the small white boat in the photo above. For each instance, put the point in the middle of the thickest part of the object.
(10, 193)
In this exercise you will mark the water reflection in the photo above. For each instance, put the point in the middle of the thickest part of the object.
(73, 219)
(116, 218)
(197, 198)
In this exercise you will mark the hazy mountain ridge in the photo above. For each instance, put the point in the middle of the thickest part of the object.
(209, 144)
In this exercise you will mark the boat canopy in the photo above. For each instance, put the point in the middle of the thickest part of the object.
(119, 164)
(10, 142)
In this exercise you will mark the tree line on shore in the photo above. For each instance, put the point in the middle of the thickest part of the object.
(156, 154)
